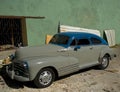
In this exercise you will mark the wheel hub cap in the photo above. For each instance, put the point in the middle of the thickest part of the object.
(105, 62)
(45, 78)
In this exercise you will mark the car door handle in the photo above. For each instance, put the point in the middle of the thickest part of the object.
(91, 48)
(62, 50)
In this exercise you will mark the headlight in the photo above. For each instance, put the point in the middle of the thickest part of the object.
(25, 65)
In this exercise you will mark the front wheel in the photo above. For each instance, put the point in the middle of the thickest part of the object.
(104, 62)
(44, 78)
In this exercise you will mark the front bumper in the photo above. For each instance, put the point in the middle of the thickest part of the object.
(12, 74)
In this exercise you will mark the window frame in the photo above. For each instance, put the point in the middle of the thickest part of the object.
(77, 41)
(95, 43)
(85, 44)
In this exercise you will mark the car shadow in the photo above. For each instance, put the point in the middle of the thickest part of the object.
(75, 73)
(17, 85)
(9, 82)
(13, 83)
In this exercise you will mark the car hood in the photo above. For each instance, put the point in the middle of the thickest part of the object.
(38, 51)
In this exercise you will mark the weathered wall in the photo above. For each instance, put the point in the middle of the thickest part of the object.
(93, 14)
(11, 7)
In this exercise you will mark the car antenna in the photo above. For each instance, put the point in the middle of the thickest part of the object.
(59, 27)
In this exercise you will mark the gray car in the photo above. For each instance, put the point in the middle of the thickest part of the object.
(66, 53)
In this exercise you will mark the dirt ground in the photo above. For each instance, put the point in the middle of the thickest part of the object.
(88, 80)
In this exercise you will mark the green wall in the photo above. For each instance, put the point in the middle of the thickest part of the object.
(93, 14)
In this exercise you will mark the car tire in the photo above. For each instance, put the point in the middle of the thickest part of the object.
(44, 78)
(104, 62)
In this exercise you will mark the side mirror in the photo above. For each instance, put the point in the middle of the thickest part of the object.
(76, 48)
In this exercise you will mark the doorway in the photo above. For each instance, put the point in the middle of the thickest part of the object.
(13, 31)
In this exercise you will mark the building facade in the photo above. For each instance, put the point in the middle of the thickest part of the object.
(29, 21)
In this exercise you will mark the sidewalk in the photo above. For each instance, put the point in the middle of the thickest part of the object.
(4, 54)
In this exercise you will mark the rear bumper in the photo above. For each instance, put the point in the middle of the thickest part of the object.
(12, 75)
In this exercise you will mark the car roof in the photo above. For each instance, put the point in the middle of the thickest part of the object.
(82, 35)
(79, 34)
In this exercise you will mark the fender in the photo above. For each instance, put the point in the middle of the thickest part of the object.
(62, 67)
(105, 51)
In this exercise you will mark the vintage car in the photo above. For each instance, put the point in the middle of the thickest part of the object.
(66, 53)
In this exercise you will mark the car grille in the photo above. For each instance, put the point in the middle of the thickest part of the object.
(19, 69)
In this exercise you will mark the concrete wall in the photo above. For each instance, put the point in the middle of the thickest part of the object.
(93, 14)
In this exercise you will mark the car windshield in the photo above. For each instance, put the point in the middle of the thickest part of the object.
(59, 39)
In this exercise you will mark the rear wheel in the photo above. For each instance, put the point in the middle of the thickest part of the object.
(44, 78)
(104, 62)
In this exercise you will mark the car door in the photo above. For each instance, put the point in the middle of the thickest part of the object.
(97, 47)
(84, 52)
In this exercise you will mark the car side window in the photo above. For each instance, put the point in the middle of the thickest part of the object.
(73, 43)
(95, 41)
(83, 42)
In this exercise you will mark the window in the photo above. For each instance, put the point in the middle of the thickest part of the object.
(73, 43)
(95, 41)
(83, 42)
(59, 39)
